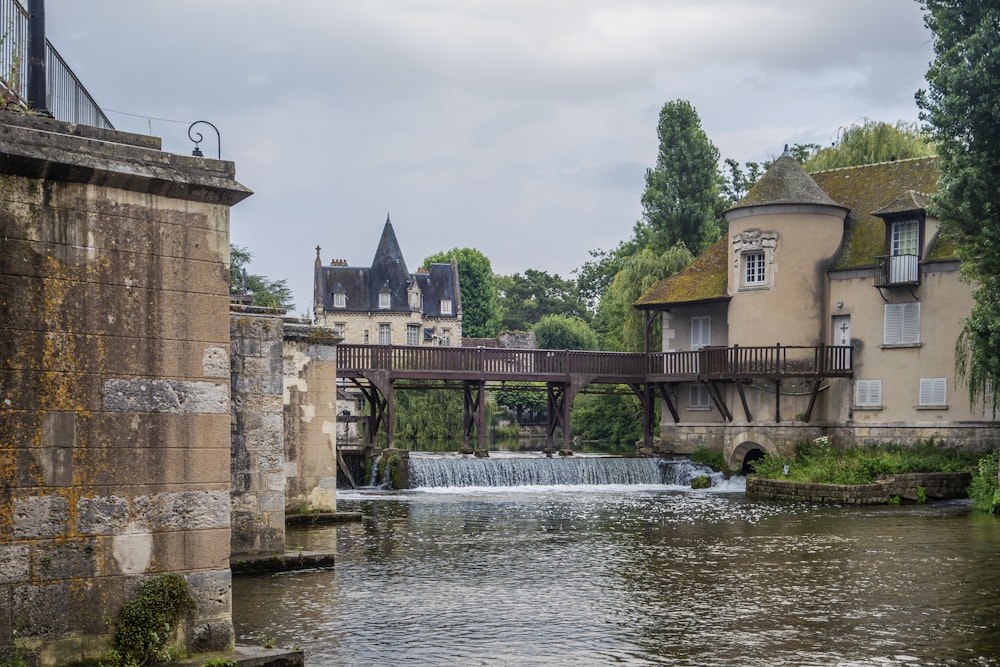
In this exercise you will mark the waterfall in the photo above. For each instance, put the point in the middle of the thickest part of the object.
(496, 471)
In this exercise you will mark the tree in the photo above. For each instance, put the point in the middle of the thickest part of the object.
(681, 201)
(871, 142)
(619, 324)
(522, 397)
(480, 304)
(960, 110)
(564, 332)
(525, 299)
(262, 291)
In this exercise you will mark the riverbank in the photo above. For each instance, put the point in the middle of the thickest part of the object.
(886, 490)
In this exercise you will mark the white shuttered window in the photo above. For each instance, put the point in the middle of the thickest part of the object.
(902, 323)
(868, 394)
(933, 391)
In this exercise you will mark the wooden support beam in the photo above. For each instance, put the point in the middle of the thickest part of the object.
(812, 399)
(717, 398)
(743, 400)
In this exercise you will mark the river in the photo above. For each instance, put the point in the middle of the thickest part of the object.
(634, 574)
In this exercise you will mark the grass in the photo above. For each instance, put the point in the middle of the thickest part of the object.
(820, 463)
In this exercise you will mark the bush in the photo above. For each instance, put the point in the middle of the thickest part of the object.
(147, 621)
(709, 457)
(984, 489)
(820, 463)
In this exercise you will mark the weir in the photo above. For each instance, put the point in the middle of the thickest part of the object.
(431, 471)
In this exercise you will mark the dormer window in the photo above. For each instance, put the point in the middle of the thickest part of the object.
(384, 300)
(901, 266)
(446, 306)
(339, 300)
(415, 299)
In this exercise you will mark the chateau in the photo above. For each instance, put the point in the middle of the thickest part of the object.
(841, 257)
(385, 304)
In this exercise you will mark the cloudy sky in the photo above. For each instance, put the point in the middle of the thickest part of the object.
(522, 128)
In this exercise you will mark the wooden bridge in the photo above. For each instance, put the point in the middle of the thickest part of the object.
(377, 370)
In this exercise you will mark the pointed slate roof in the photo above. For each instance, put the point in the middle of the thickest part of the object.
(388, 271)
(360, 285)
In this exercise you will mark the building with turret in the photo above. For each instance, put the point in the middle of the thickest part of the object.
(845, 257)
(385, 304)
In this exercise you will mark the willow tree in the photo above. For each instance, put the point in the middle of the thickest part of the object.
(962, 110)
(617, 321)
(870, 142)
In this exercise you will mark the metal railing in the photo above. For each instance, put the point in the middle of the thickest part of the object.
(66, 98)
(897, 270)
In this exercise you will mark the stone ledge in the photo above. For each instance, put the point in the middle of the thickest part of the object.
(936, 486)
(248, 656)
(289, 561)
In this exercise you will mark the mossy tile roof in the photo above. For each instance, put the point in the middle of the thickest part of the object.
(785, 182)
(876, 188)
(704, 279)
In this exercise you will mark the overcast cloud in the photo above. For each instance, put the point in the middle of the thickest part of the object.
(520, 128)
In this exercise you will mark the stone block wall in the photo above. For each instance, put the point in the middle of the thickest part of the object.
(114, 382)
(310, 399)
(936, 486)
(257, 443)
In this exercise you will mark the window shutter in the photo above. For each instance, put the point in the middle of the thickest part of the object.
(910, 322)
(933, 391)
(902, 323)
(868, 393)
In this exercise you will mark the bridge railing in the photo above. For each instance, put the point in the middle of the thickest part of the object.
(718, 363)
(775, 361)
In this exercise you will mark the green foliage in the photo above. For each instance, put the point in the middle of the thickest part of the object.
(681, 201)
(620, 325)
(921, 495)
(146, 622)
(262, 291)
(701, 482)
(564, 332)
(221, 662)
(870, 142)
(985, 489)
(480, 302)
(712, 458)
(525, 399)
(15, 656)
(607, 418)
(894, 500)
(526, 299)
(960, 110)
(432, 415)
(818, 462)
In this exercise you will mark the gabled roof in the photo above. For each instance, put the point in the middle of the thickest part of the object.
(785, 182)
(876, 189)
(706, 279)
(361, 286)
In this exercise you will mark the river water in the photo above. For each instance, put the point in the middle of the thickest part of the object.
(637, 573)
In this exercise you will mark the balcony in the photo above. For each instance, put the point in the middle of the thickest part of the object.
(897, 271)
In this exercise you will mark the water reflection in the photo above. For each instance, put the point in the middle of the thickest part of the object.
(557, 576)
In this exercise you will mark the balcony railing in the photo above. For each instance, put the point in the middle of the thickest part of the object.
(897, 270)
(66, 98)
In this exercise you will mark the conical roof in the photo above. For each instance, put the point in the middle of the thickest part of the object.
(785, 182)
(388, 269)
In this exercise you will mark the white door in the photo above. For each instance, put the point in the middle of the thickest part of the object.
(841, 329)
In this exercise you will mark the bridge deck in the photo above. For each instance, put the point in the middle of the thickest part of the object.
(734, 363)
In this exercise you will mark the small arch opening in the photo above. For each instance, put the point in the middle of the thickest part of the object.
(751, 457)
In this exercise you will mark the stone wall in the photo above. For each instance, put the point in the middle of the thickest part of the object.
(257, 440)
(310, 399)
(936, 486)
(735, 440)
(114, 383)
